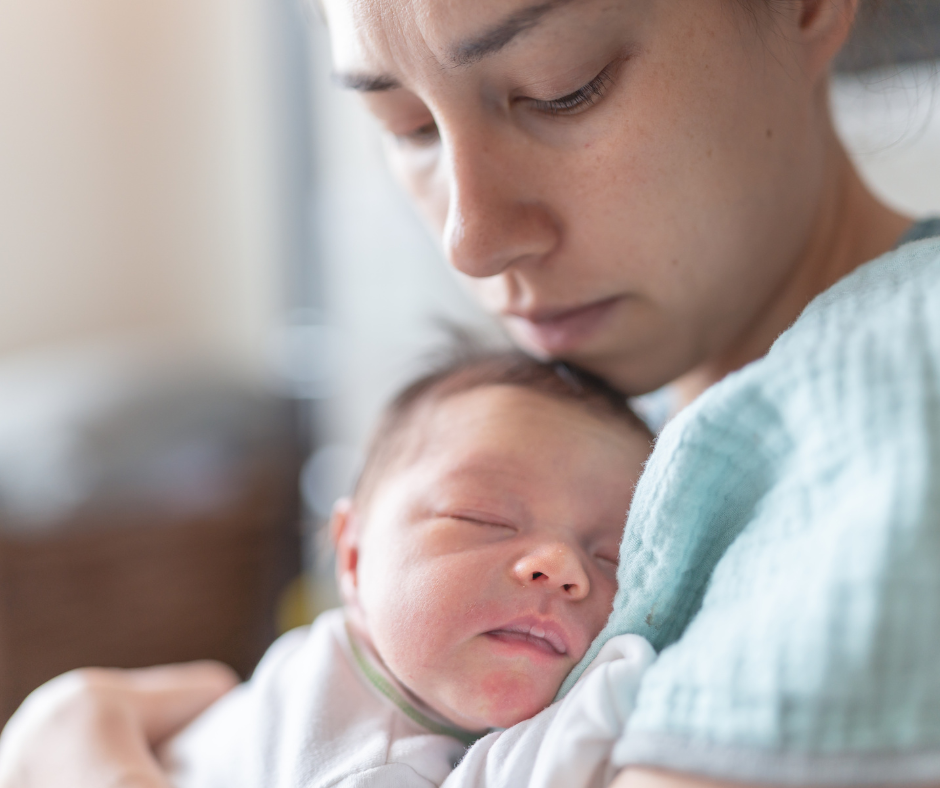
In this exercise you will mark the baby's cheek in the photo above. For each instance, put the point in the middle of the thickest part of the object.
(421, 623)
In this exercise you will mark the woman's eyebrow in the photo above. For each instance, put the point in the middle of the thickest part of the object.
(470, 51)
(367, 83)
(500, 34)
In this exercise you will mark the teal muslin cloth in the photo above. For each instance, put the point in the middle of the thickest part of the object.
(783, 551)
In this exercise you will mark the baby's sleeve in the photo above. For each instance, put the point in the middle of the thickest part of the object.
(389, 775)
(225, 746)
(212, 751)
(503, 759)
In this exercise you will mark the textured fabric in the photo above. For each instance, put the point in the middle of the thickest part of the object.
(783, 551)
(308, 718)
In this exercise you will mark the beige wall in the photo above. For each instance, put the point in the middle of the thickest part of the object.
(137, 193)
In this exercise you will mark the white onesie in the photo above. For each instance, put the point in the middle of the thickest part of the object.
(311, 717)
(320, 711)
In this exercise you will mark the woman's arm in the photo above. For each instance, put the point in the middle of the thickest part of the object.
(651, 778)
(95, 728)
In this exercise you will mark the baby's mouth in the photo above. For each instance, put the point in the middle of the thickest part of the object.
(544, 639)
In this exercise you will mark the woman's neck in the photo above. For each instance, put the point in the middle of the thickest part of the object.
(853, 226)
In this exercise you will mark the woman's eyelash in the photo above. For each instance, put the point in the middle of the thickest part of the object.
(582, 98)
(579, 100)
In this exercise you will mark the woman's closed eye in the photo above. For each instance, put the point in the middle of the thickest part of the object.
(573, 103)
(577, 101)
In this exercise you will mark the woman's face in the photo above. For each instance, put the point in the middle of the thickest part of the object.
(626, 183)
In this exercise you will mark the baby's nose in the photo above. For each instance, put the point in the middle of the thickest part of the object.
(554, 566)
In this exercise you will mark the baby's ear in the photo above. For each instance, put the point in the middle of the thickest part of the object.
(344, 533)
(339, 518)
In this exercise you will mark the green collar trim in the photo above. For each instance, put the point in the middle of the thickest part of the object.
(384, 686)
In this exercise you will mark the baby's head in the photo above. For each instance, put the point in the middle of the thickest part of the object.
(479, 552)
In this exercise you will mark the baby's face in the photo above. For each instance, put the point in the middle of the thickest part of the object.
(483, 568)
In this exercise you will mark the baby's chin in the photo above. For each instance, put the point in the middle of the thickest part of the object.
(501, 701)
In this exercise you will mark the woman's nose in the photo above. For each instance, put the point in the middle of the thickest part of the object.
(553, 567)
(495, 218)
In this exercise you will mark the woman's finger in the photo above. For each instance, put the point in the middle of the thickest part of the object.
(95, 727)
(167, 697)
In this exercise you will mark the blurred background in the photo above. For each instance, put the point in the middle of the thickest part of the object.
(208, 287)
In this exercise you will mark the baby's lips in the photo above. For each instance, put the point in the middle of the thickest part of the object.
(546, 630)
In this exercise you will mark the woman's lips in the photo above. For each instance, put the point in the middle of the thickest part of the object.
(562, 330)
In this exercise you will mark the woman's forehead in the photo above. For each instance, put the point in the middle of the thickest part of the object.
(374, 36)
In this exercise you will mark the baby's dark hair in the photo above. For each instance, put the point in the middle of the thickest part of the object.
(466, 367)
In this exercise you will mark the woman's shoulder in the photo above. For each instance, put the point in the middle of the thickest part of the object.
(862, 357)
(896, 295)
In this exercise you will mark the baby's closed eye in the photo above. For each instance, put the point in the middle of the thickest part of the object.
(608, 562)
(480, 518)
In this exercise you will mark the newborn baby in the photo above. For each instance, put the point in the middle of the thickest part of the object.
(476, 561)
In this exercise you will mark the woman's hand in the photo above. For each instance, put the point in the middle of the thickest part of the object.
(651, 778)
(96, 728)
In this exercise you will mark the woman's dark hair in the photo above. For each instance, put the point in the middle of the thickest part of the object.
(892, 33)
(887, 33)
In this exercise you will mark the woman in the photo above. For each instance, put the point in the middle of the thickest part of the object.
(653, 189)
